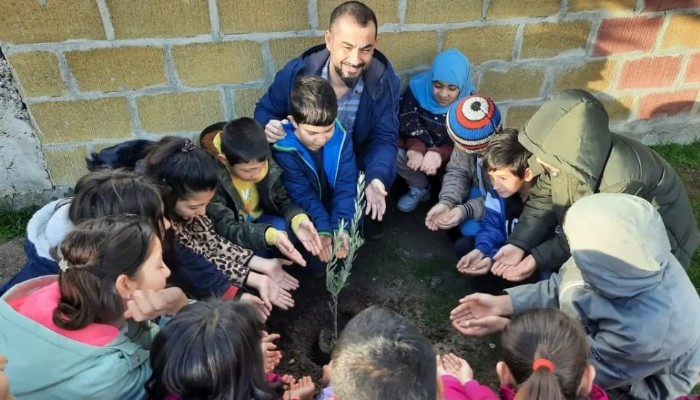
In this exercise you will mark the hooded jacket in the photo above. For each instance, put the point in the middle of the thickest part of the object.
(223, 208)
(570, 132)
(631, 294)
(376, 129)
(96, 362)
(301, 178)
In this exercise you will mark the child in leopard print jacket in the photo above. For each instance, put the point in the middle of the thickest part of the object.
(189, 178)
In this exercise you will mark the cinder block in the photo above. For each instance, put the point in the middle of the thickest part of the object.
(664, 5)
(518, 116)
(649, 72)
(244, 101)
(113, 69)
(692, 73)
(593, 76)
(205, 64)
(409, 49)
(23, 21)
(683, 32)
(82, 120)
(484, 43)
(66, 166)
(500, 9)
(608, 5)
(385, 10)
(549, 40)
(242, 16)
(515, 83)
(158, 18)
(619, 108)
(38, 74)
(671, 103)
(623, 35)
(441, 11)
(283, 50)
(179, 112)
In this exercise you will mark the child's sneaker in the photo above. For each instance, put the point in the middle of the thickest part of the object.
(410, 200)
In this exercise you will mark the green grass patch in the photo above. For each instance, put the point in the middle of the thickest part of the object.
(13, 223)
(681, 155)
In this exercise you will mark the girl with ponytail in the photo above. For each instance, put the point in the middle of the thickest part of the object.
(545, 357)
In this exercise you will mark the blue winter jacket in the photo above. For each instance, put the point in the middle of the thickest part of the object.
(494, 228)
(193, 273)
(376, 129)
(301, 179)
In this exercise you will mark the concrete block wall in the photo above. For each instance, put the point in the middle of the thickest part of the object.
(96, 72)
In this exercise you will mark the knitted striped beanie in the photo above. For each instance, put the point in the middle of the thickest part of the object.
(471, 122)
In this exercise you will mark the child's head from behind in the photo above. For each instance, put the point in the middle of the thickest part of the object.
(314, 108)
(381, 354)
(102, 261)
(244, 149)
(506, 162)
(109, 192)
(188, 176)
(472, 122)
(210, 350)
(544, 355)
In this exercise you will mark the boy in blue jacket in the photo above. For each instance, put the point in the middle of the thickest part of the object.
(317, 157)
(506, 163)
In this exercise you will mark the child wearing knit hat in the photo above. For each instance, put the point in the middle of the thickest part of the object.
(471, 122)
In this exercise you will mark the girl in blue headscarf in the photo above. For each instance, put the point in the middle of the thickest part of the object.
(424, 145)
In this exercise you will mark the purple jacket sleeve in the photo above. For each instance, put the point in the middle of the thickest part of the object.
(472, 390)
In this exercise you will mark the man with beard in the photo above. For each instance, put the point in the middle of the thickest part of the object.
(368, 93)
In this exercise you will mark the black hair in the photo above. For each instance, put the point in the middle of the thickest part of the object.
(550, 334)
(359, 11)
(243, 140)
(313, 102)
(504, 151)
(381, 354)
(210, 350)
(93, 255)
(181, 169)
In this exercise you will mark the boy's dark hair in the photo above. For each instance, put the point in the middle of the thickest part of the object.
(210, 350)
(550, 334)
(313, 102)
(181, 169)
(243, 140)
(504, 151)
(360, 12)
(96, 253)
(382, 355)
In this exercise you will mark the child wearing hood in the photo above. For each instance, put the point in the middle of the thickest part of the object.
(424, 144)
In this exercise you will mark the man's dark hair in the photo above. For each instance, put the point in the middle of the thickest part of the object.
(360, 12)
(382, 355)
(243, 140)
(313, 102)
(504, 151)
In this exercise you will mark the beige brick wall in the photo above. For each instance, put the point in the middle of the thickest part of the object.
(95, 72)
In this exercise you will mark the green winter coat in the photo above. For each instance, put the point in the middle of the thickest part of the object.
(223, 209)
(570, 132)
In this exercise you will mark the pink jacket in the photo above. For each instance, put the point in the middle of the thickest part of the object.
(472, 390)
(597, 393)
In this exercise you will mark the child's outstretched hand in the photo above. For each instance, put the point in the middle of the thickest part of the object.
(4, 385)
(474, 263)
(451, 365)
(508, 256)
(415, 160)
(431, 162)
(308, 236)
(256, 302)
(144, 305)
(272, 356)
(451, 218)
(435, 214)
(273, 269)
(285, 246)
(270, 292)
(303, 389)
(326, 248)
(522, 271)
(344, 246)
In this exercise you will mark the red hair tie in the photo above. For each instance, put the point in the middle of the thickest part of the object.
(543, 363)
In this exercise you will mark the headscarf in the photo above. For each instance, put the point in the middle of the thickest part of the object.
(451, 67)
